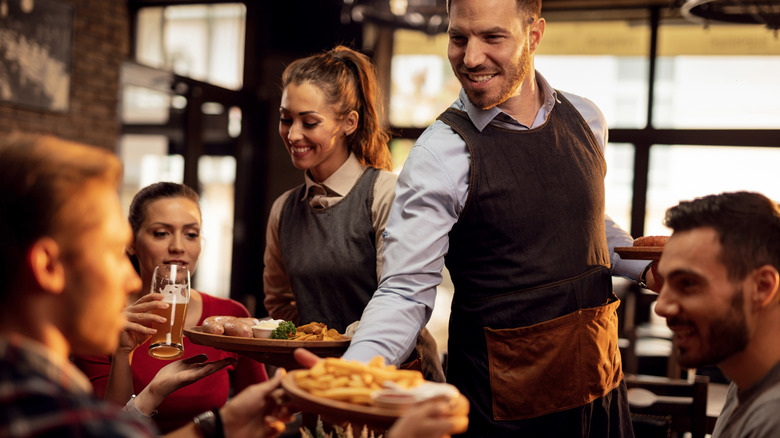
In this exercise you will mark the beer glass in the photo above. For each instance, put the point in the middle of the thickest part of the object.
(173, 282)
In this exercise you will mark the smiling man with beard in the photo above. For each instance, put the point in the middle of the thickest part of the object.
(507, 189)
(720, 298)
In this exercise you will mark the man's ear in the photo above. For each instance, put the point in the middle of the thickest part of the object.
(45, 261)
(767, 283)
(535, 34)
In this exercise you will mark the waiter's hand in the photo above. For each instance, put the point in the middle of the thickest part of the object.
(653, 281)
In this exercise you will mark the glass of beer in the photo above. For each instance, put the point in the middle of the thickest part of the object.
(173, 282)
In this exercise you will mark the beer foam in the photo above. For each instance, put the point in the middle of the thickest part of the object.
(174, 293)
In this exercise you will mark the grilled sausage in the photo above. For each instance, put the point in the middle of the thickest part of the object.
(230, 326)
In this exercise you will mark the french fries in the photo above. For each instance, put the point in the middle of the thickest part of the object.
(315, 331)
(353, 381)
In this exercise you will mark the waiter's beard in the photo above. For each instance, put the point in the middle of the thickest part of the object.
(514, 75)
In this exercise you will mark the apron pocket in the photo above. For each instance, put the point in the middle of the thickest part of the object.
(554, 365)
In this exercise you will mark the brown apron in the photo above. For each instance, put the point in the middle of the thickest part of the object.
(582, 345)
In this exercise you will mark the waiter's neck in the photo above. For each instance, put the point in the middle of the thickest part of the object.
(526, 102)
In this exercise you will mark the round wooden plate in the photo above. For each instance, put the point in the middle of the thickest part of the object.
(639, 252)
(338, 412)
(276, 352)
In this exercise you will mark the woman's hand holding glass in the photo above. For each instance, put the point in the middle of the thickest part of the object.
(139, 318)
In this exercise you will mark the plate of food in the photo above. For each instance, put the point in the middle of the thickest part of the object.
(321, 341)
(644, 248)
(639, 252)
(372, 395)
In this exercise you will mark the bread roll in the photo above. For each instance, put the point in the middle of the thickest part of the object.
(650, 241)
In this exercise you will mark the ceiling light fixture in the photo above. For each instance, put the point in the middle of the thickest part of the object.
(764, 12)
(429, 16)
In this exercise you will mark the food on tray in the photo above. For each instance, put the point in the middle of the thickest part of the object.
(269, 328)
(266, 328)
(230, 325)
(315, 331)
(353, 381)
(650, 241)
(283, 330)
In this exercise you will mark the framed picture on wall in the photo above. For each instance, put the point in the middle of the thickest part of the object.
(36, 38)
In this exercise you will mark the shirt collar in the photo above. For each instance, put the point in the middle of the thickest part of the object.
(342, 180)
(481, 118)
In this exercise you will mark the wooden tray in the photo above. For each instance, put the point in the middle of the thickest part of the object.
(338, 412)
(639, 252)
(276, 352)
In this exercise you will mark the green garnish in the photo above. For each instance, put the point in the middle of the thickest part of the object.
(283, 330)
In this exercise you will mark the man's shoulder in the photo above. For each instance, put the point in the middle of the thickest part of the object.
(438, 134)
(39, 406)
(582, 104)
(23, 382)
(769, 396)
(757, 413)
(438, 127)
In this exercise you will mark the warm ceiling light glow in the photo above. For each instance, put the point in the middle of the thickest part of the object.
(764, 12)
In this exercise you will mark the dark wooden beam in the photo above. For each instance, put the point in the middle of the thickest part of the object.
(702, 137)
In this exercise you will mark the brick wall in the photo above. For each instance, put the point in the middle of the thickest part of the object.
(100, 45)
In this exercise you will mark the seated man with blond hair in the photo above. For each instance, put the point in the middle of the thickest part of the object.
(65, 279)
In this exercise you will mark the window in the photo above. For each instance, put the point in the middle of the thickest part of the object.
(204, 42)
(422, 82)
(604, 61)
(719, 77)
(686, 172)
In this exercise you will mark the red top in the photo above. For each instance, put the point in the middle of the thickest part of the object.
(183, 405)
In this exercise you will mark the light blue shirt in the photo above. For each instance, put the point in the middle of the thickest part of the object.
(429, 197)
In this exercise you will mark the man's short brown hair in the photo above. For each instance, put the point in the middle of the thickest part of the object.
(747, 223)
(531, 7)
(38, 176)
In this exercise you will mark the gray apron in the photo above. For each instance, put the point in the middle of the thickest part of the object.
(330, 257)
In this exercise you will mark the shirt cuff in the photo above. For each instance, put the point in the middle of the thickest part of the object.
(133, 410)
(630, 269)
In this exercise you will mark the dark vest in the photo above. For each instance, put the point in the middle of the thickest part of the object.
(530, 247)
(535, 209)
(316, 242)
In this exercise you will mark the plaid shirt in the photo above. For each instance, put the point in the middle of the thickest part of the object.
(42, 396)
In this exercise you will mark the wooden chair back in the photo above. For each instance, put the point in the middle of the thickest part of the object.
(671, 408)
